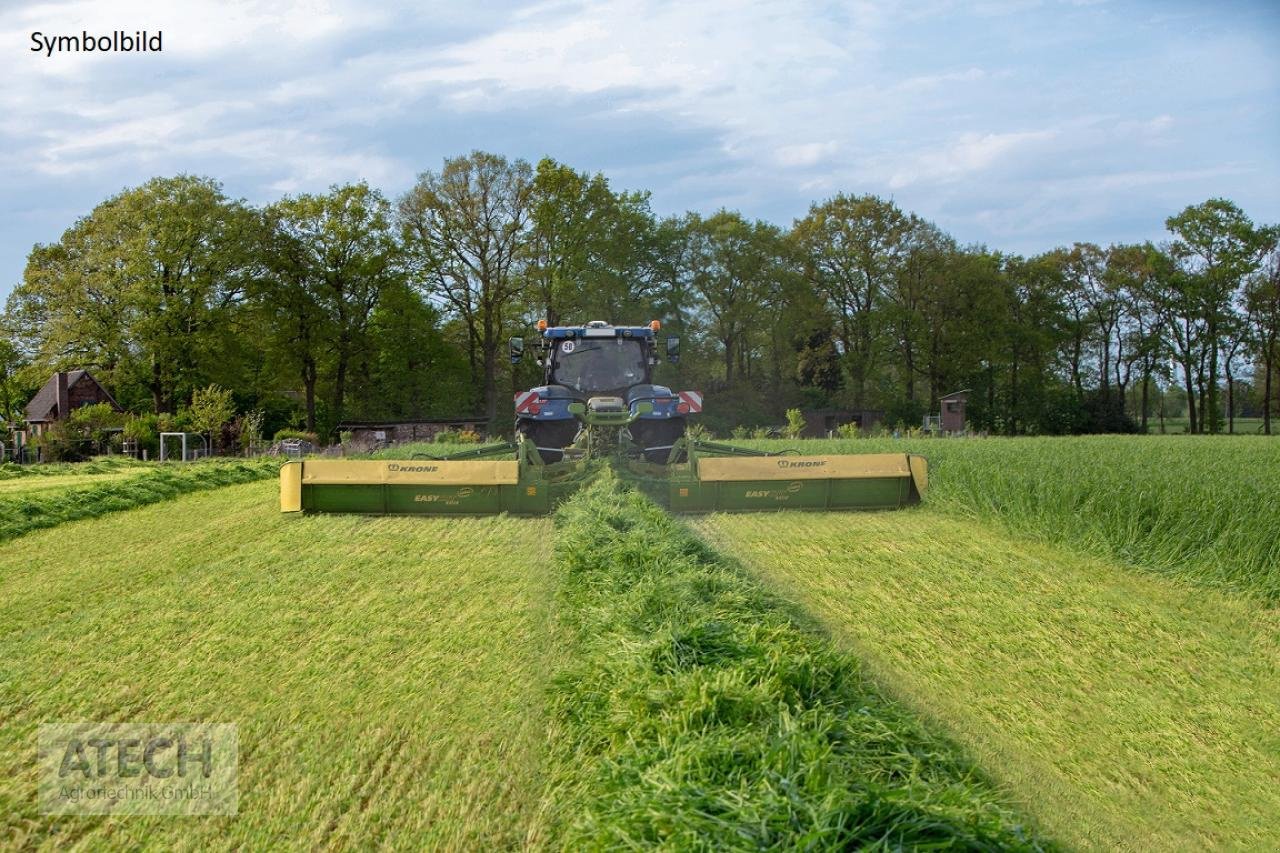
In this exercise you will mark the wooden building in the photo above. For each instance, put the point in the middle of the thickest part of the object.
(953, 418)
(819, 423)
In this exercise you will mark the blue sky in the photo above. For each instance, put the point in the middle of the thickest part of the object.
(1019, 124)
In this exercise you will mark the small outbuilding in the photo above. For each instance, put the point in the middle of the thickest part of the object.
(820, 423)
(953, 418)
(66, 391)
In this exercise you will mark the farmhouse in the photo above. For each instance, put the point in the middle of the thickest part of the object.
(66, 391)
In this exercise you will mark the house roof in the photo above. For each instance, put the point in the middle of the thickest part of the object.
(956, 394)
(43, 406)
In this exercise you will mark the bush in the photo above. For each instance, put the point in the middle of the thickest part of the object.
(60, 442)
(145, 431)
(96, 422)
(795, 424)
(468, 436)
(849, 430)
(446, 436)
(296, 434)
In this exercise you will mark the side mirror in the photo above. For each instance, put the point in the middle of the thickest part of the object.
(517, 350)
(673, 350)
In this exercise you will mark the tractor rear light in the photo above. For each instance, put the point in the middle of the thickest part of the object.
(682, 407)
(534, 409)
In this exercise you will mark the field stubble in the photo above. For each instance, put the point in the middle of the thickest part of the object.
(386, 674)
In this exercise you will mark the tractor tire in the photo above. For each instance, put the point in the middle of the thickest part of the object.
(654, 438)
(550, 437)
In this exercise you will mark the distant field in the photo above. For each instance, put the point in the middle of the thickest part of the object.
(1122, 710)
(31, 501)
(1203, 508)
(385, 674)
(1244, 426)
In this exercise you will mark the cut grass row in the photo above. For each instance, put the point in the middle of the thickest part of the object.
(1127, 711)
(33, 502)
(697, 713)
(99, 465)
(1203, 508)
(387, 675)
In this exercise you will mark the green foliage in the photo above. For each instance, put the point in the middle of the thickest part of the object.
(698, 714)
(251, 427)
(298, 434)
(210, 409)
(60, 442)
(795, 424)
(94, 422)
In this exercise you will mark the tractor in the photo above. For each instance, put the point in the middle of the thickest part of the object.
(598, 403)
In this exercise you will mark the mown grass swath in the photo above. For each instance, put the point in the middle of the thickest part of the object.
(100, 465)
(1206, 510)
(387, 675)
(1124, 710)
(698, 714)
(42, 505)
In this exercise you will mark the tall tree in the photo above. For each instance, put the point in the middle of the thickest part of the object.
(466, 228)
(1218, 246)
(1262, 301)
(144, 284)
(735, 273)
(337, 253)
(851, 249)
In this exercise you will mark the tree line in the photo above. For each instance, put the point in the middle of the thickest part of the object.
(349, 305)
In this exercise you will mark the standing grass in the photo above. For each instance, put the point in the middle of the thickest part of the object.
(33, 502)
(1125, 711)
(386, 674)
(1203, 508)
(698, 715)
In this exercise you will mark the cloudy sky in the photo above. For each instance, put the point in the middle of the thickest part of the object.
(1015, 123)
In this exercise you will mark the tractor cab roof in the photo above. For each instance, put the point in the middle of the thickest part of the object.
(600, 329)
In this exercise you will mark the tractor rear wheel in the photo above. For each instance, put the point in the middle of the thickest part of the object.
(655, 437)
(550, 437)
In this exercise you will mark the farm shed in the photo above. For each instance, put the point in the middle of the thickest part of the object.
(818, 423)
(953, 411)
(66, 391)
(394, 432)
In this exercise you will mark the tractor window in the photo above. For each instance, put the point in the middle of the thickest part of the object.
(594, 366)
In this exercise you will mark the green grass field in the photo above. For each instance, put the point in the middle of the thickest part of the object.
(34, 501)
(1126, 711)
(1197, 507)
(1074, 642)
(385, 674)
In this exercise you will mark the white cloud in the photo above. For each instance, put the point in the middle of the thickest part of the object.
(968, 154)
(806, 154)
